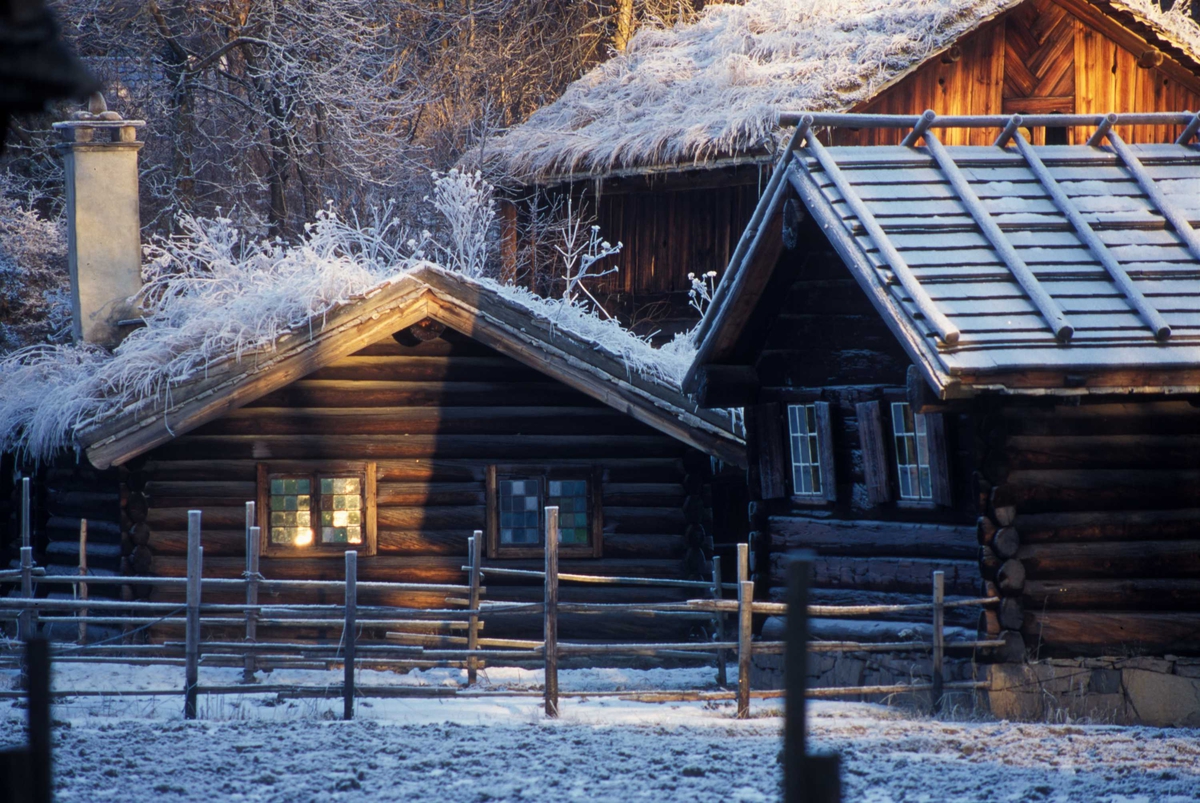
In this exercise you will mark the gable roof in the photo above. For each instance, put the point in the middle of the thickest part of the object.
(696, 95)
(475, 309)
(1018, 269)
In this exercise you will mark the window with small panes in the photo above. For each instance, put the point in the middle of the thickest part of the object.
(517, 502)
(325, 510)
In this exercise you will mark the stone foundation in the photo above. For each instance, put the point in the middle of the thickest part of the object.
(1125, 691)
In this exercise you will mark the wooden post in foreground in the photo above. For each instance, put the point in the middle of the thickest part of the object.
(195, 557)
(719, 620)
(81, 587)
(807, 778)
(551, 622)
(253, 547)
(743, 562)
(745, 631)
(939, 644)
(349, 634)
(25, 619)
(37, 658)
(475, 548)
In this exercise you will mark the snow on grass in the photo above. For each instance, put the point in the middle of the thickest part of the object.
(212, 293)
(713, 88)
(259, 748)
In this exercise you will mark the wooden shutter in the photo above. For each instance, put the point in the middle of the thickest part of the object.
(772, 465)
(874, 452)
(825, 445)
(939, 458)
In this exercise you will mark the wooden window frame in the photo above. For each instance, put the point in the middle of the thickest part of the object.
(826, 468)
(314, 470)
(543, 474)
(939, 459)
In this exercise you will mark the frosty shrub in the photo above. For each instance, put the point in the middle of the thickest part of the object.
(580, 255)
(465, 201)
(34, 287)
(701, 293)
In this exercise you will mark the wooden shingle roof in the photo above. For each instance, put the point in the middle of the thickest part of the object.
(1023, 269)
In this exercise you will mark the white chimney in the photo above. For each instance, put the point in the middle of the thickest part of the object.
(104, 244)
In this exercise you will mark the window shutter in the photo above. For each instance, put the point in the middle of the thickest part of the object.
(771, 463)
(874, 452)
(939, 459)
(825, 443)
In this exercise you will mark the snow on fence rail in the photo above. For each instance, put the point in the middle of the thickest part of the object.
(409, 649)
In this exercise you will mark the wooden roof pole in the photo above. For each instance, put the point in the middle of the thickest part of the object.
(1189, 131)
(1169, 210)
(1046, 305)
(946, 330)
(1121, 279)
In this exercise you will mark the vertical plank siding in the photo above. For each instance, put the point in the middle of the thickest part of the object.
(432, 416)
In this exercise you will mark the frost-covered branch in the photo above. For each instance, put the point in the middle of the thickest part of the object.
(701, 293)
(465, 201)
(580, 252)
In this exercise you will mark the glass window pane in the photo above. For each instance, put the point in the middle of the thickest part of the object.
(520, 505)
(805, 442)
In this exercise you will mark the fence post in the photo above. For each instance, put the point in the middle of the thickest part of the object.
(25, 619)
(82, 588)
(719, 620)
(348, 634)
(474, 546)
(37, 658)
(253, 545)
(743, 559)
(550, 632)
(745, 625)
(795, 677)
(939, 644)
(195, 557)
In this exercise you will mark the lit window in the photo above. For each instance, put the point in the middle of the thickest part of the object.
(912, 453)
(291, 511)
(806, 459)
(341, 510)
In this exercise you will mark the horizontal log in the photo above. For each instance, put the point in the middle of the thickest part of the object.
(1076, 633)
(454, 542)
(365, 447)
(1112, 559)
(85, 504)
(216, 543)
(1112, 525)
(313, 393)
(873, 538)
(401, 494)
(420, 368)
(1141, 593)
(961, 617)
(621, 469)
(1044, 491)
(903, 575)
(539, 420)
(60, 528)
(466, 518)
(1140, 418)
(228, 489)
(1102, 451)
(216, 518)
(620, 519)
(645, 494)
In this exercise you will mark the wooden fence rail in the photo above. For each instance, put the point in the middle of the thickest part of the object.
(412, 649)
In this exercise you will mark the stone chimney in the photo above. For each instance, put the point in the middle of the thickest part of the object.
(104, 244)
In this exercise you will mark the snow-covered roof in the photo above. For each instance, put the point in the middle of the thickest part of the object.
(696, 93)
(1016, 269)
(162, 383)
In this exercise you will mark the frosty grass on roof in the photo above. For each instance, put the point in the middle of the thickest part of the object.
(713, 88)
(211, 294)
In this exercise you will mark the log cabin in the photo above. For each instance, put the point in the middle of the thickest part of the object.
(670, 144)
(396, 425)
(979, 359)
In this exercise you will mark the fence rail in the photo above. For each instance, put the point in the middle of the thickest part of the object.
(469, 651)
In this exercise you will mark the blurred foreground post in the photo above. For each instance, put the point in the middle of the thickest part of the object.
(550, 634)
(349, 633)
(195, 557)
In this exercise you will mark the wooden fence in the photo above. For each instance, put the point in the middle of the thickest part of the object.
(409, 650)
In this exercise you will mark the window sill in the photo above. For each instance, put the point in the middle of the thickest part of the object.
(809, 501)
(525, 553)
(916, 504)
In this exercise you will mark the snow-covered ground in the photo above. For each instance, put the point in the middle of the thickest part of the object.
(501, 748)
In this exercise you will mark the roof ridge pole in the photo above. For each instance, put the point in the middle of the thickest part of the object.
(1046, 305)
(1121, 279)
(1167, 208)
(945, 328)
(1189, 131)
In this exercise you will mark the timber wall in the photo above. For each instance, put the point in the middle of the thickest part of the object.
(432, 416)
(827, 343)
(1105, 499)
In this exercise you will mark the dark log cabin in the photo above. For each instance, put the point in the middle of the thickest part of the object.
(678, 187)
(984, 360)
(409, 419)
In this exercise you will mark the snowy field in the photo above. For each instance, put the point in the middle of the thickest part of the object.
(500, 748)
